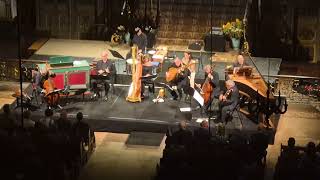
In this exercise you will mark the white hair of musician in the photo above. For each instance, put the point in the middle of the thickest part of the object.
(230, 83)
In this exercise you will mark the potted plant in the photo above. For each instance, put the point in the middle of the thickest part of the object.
(234, 30)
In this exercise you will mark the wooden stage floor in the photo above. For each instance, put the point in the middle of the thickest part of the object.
(8, 88)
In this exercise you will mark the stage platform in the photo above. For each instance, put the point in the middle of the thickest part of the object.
(118, 115)
(8, 88)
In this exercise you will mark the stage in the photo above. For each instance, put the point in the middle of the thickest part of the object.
(118, 115)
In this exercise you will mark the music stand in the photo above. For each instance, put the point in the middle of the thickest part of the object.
(116, 54)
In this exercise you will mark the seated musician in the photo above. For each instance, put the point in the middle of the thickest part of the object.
(188, 62)
(105, 72)
(240, 62)
(189, 71)
(146, 71)
(181, 80)
(51, 96)
(228, 100)
(211, 77)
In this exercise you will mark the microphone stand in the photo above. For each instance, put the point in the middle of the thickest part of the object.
(211, 52)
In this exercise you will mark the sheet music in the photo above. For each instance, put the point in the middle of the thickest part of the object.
(197, 96)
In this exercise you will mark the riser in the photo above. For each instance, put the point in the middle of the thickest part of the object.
(181, 35)
(183, 42)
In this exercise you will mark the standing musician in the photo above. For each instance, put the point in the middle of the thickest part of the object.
(229, 100)
(140, 39)
(146, 72)
(210, 86)
(105, 72)
(51, 96)
(189, 71)
(188, 62)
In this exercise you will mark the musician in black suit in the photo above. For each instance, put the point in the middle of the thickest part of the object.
(140, 39)
(228, 100)
(213, 78)
(105, 73)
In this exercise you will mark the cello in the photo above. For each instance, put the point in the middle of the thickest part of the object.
(207, 88)
(51, 94)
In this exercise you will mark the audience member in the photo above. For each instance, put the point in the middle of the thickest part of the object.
(291, 152)
(201, 135)
(42, 153)
(310, 163)
(27, 121)
(81, 129)
(47, 121)
(7, 120)
(63, 123)
(287, 164)
(183, 136)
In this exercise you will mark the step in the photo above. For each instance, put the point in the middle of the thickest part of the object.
(181, 35)
(184, 28)
(184, 42)
(38, 44)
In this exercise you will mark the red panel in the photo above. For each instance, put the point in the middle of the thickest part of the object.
(77, 78)
(59, 81)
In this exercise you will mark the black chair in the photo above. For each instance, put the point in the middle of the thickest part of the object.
(230, 114)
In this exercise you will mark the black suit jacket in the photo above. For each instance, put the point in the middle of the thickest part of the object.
(104, 65)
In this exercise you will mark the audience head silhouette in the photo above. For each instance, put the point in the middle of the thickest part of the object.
(6, 109)
(48, 112)
(183, 125)
(291, 142)
(204, 124)
(79, 116)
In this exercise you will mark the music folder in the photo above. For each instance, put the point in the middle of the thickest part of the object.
(116, 54)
